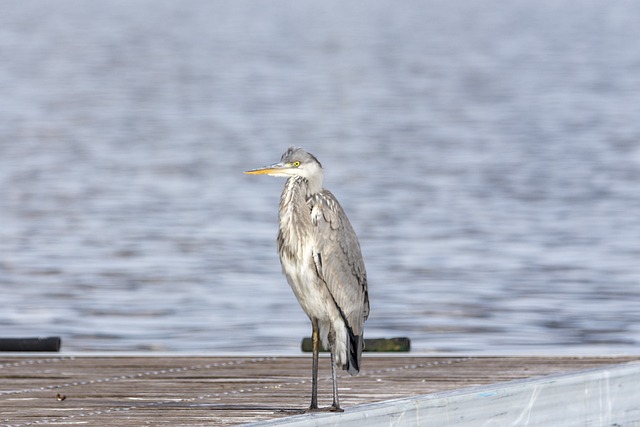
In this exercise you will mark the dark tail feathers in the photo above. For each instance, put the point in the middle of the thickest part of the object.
(355, 344)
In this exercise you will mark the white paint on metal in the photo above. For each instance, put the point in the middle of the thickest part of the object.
(607, 396)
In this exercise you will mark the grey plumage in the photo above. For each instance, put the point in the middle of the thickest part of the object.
(322, 260)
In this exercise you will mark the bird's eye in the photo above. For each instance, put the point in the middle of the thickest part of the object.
(296, 164)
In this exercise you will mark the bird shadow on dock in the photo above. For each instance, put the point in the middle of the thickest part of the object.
(247, 408)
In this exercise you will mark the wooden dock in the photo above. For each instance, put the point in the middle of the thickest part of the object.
(195, 391)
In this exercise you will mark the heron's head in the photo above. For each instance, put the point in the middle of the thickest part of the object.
(295, 162)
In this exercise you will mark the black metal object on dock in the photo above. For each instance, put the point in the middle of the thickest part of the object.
(30, 344)
(399, 344)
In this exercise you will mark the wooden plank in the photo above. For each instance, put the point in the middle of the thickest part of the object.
(188, 391)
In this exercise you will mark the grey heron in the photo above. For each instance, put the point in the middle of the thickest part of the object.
(321, 258)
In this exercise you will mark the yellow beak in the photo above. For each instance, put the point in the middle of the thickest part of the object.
(269, 170)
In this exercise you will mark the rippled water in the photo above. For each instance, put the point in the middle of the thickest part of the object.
(487, 153)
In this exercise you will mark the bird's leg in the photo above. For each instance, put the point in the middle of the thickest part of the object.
(335, 407)
(315, 337)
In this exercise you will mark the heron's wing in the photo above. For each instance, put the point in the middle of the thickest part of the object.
(339, 260)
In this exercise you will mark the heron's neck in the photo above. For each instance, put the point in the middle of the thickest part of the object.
(293, 202)
(307, 186)
(294, 216)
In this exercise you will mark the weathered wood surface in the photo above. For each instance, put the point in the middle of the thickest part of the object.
(193, 391)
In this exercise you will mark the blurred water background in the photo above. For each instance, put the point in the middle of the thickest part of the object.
(487, 153)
